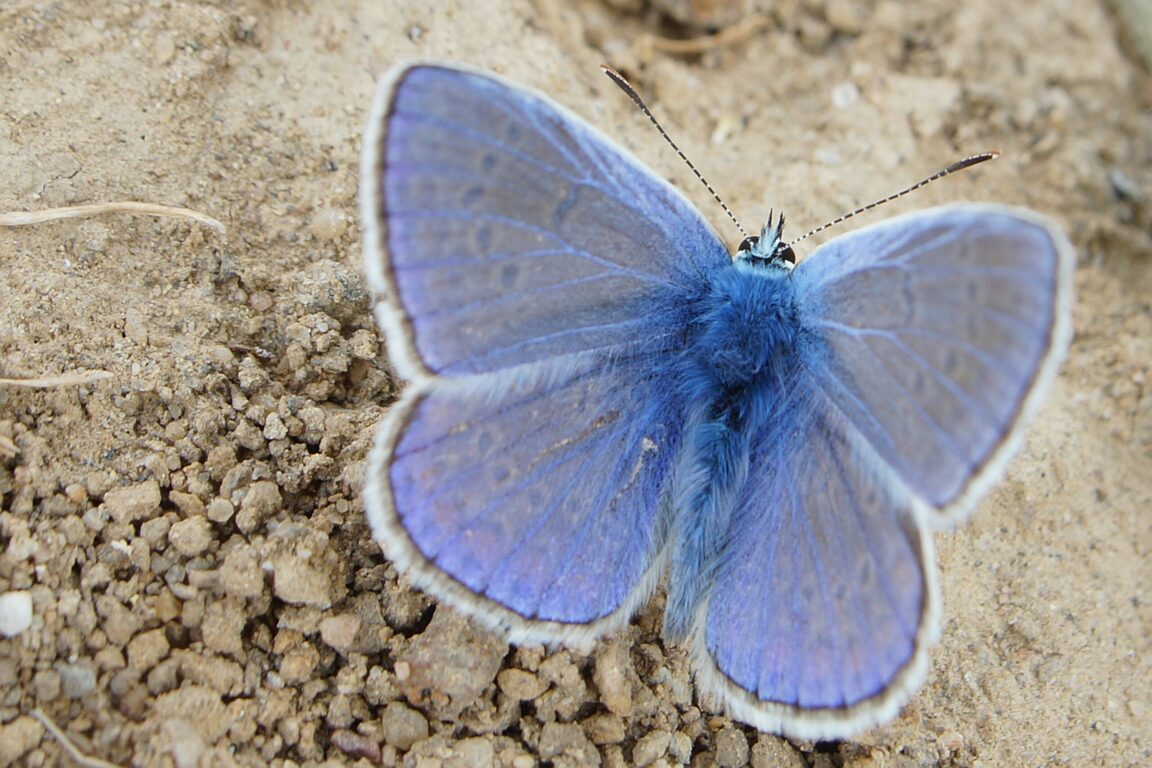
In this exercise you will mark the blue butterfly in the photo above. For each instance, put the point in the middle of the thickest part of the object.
(600, 394)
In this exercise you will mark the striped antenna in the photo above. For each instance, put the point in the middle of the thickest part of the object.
(959, 165)
(625, 86)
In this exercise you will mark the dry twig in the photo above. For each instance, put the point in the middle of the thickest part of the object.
(22, 218)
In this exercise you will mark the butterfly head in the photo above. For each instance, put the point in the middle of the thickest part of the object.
(769, 249)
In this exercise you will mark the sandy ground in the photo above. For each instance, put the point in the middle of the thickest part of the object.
(191, 533)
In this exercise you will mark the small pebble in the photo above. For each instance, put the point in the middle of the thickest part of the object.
(356, 745)
(520, 685)
(261, 301)
(76, 493)
(403, 726)
(184, 742)
(450, 663)
(221, 355)
(328, 224)
(240, 573)
(18, 737)
(298, 664)
(76, 680)
(136, 326)
(251, 376)
(191, 537)
(219, 674)
(134, 502)
(96, 518)
(297, 582)
(198, 706)
(220, 510)
(775, 752)
(845, 94)
(189, 504)
(147, 649)
(651, 746)
(163, 677)
(612, 680)
(46, 685)
(222, 627)
(15, 613)
(339, 632)
(567, 739)
(951, 739)
(274, 427)
(731, 748)
(155, 531)
(845, 16)
(260, 502)
(119, 623)
(467, 753)
(681, 748)
(605, 728)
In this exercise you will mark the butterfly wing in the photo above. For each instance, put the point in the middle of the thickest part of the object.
(924, 342)
(534, 279)
(534, 504)
(825, 601)
(501, 230)
(935, 333)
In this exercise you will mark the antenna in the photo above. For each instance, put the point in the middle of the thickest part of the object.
(959, 165)
(625, 86)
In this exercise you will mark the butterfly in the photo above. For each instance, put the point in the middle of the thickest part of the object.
(600, 396)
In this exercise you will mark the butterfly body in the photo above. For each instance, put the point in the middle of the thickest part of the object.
(735, 372)
(600, 398)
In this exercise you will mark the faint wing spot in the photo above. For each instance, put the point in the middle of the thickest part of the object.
(484, 238)
(509, 276)
(564, 208)
(471, 195)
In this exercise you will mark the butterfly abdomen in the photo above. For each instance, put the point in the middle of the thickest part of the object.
(734, 372)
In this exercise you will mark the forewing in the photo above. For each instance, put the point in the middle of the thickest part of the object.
(500, 229)
(531, 503)
(935, 334)
(825, 600)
